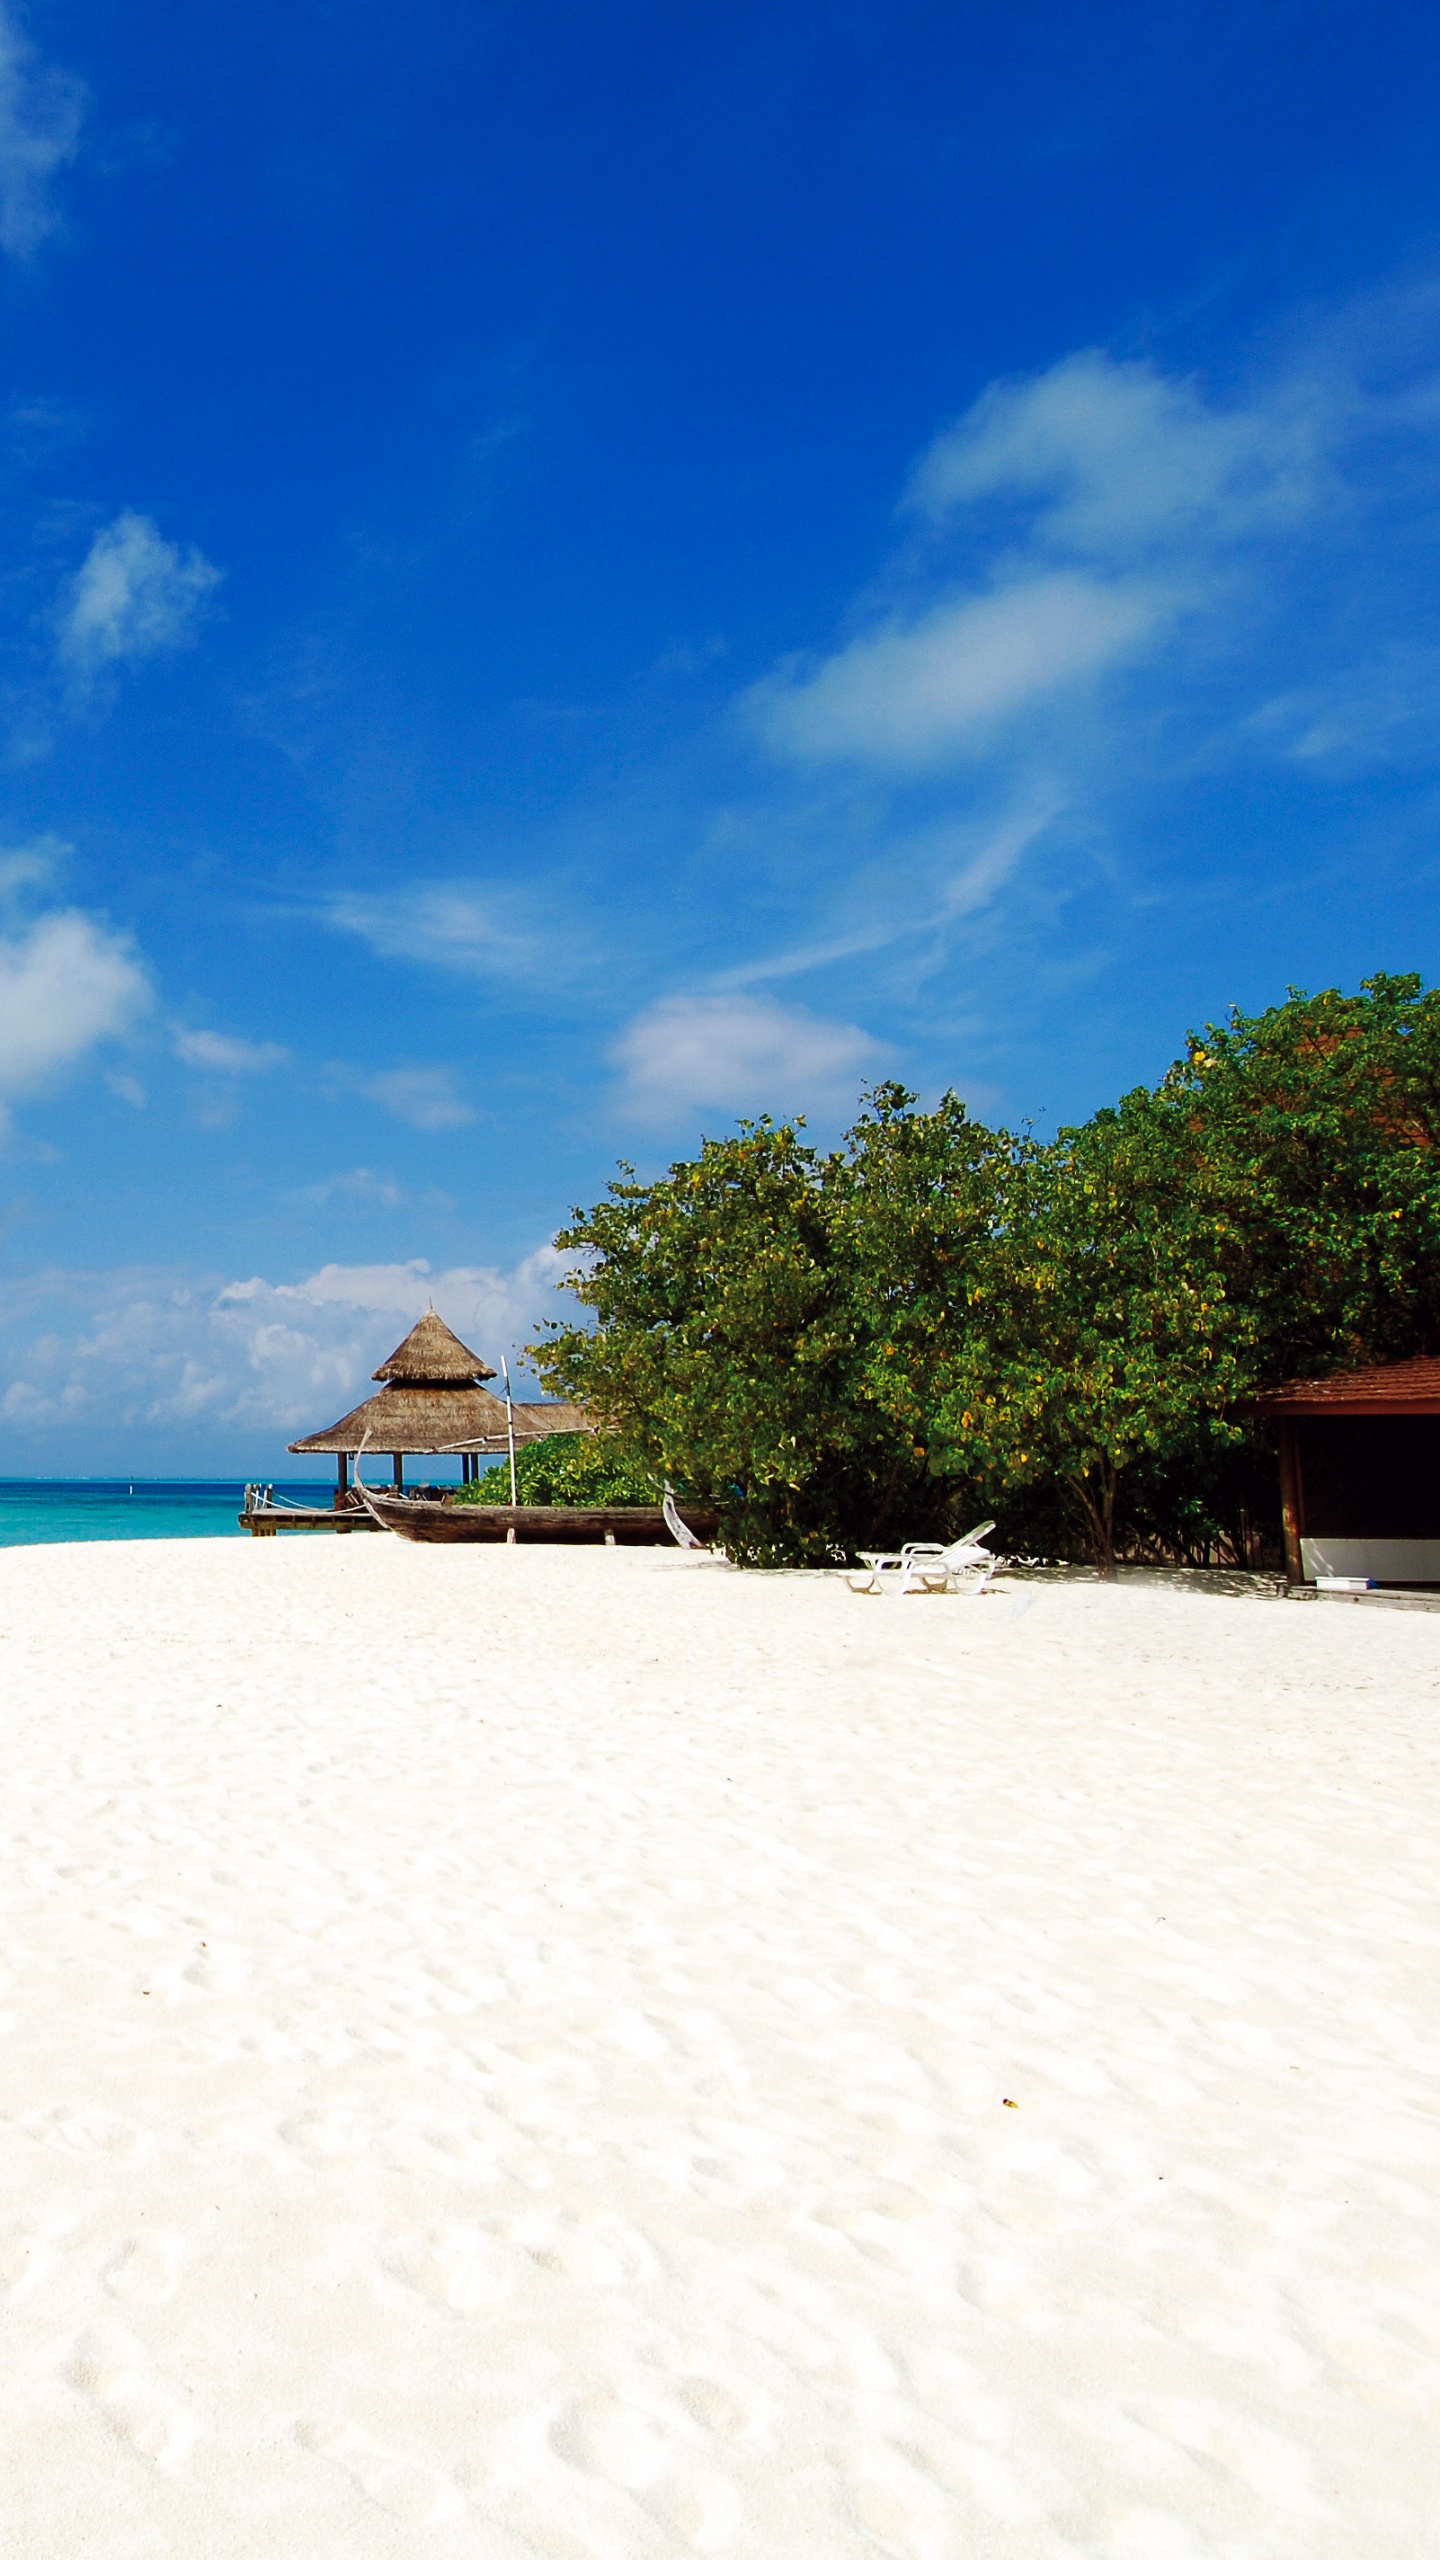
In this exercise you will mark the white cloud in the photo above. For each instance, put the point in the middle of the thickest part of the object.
(1123, 460)
(467, 1294)
(941, 687)
(737, 1053)
(218, 1053)
(1070, 522)
(40, 116)
(134, 594)
(146, 1351)
(66, 983)
(483, 932)
(425, 1097)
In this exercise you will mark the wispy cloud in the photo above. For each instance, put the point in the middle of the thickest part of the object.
(425, 1097)
(220, 1053)
(1383, 712)
(927, 692)
(25, 867)
(135, 594)
(1095, 508)
(364, 1188)
(41, 112)
(930, 880)
(738, 1053)
(1108, 579)
(488, 930)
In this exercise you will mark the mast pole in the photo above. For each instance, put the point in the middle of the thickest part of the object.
(510, 1433)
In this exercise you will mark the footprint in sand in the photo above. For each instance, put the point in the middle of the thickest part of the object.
(612, 2438)
(329, 2138)
(899, 2499)
(456, 2266)
(630, 2447)
(606, 2251)
(87, 2131)
(700, 2508)
(221, 1969)
(408, 2491)
(725, 2408)
(147, 2270)
(113, 2371)
(24, 2262)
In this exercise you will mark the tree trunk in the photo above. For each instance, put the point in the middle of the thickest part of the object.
(1098, 1507)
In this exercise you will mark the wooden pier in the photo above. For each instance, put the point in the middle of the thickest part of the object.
(264, 1517)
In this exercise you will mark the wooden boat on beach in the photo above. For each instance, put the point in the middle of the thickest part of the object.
(440, 1520)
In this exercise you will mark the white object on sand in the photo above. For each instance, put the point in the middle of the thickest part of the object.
(924, 1565)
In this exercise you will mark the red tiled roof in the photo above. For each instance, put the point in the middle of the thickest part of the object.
(1398, 1386)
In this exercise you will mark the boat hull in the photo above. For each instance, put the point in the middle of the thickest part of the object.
(495, 1524)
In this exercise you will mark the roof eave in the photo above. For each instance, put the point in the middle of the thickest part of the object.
(1312, 1408)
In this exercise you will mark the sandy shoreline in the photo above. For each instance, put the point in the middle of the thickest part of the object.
(505, 2053)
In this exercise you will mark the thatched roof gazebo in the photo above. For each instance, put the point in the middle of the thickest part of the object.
(432, 1402)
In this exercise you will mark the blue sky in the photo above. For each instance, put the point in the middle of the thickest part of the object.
(572, 572)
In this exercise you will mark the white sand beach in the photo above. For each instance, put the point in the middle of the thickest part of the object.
(506, 2053)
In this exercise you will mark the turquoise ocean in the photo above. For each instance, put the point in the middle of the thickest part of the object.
(44, 1513)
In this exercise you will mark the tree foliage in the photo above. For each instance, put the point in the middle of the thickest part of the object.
(1099, 1330)
(1318, 1125)
(936, 1317)
(726, 1350)
(575, 1468)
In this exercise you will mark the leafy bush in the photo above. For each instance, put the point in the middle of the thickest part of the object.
(580, 1469)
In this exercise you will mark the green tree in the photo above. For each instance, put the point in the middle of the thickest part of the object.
(1098, 1332)
(1318, 1127)
(735, 1344)
(915, 1200)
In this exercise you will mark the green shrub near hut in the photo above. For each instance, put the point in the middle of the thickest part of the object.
(576, 1469)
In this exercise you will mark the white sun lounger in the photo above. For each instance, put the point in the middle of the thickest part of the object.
(924, 1565)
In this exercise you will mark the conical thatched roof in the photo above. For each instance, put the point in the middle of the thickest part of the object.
(423, 1421)
(433, 1401)
(431, 1355)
